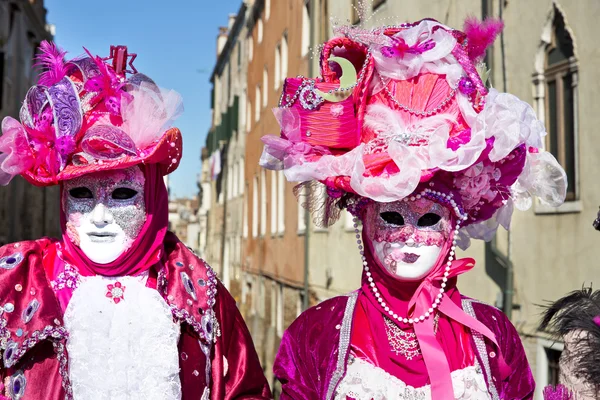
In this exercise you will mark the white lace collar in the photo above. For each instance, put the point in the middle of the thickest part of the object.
(364, 381)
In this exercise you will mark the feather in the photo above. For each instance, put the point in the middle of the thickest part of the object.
(576, 313)
(559, 392)
(481, 35)
(52, 60)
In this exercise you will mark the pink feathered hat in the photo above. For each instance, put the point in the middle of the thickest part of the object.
(403, 112)
(86, 115)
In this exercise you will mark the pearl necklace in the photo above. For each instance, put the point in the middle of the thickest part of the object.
(423, 113)
(440, 198)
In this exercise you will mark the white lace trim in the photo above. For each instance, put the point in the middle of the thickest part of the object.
(364, 381)
(125, 350)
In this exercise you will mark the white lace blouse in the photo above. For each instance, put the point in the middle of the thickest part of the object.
(364, 381)
(122, 341)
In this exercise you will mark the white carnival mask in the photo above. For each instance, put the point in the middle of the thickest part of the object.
(105, 212)
(407, 236)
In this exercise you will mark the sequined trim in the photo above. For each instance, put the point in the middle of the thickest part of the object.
(14, 352)
(482, 350)
(10, 262)
(63, 369)
(16, 386)
(209, 327)
(343, 345)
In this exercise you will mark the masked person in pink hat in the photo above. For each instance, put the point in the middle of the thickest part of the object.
(118, 308)
(401, 130)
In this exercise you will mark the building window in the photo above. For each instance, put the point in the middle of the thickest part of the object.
(553, 365)
(305, 30)
(547, 364)
(267, 9)
(280, 202)
(255, 207)
(248, 117)
(284, 58)
(377, 4)
(273, 206)
(245, 218)
(242, 177)
(257, 103)
(280, 310)
(250, 47)
(324, 31)
(265, 86)
(561, 83)
(263, 203)
(234, 180)
(277, 78)
(229, 183)
(259, 31)
(301, 211)
(355, 13)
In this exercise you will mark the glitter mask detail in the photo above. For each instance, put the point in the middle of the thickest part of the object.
(407, 236)
(102, 226)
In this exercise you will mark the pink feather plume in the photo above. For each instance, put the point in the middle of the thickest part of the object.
(481, 35)
(52, 60)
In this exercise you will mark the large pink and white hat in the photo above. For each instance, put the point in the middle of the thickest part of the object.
(403, 112)
(86, 115)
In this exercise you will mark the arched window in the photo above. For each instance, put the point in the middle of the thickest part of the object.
(250, 47)
(277, 78)
(255, 207)
(273, 205)
(259, 31)
(280, 202)
(556, 82)
(305, 30)
(263, 203)
(257, 104)
(267, 9)
(265, 86)
(284, 58)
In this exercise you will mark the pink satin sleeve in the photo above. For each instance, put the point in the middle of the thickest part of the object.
(236, 369)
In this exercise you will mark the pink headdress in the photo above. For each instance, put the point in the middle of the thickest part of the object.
(417, 120)
(86, 116)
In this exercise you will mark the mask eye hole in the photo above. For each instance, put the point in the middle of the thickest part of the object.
(81, 193)
(123, 193)
(392, 217)
(429, 219)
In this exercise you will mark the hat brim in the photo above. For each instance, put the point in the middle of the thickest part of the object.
(167, 152)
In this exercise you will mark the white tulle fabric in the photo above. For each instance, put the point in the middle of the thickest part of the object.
(438, 60)
(149, 113)
(510, 122)
(364, 381)
(124, 351)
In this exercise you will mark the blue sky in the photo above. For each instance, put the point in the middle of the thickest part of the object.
(176, 46)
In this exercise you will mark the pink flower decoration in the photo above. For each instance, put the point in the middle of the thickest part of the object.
(400, 48)
(597, 320)
(475, 183)
(337, 110)
(115, 292)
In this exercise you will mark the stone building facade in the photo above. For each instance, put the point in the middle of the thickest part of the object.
(26, 212)
(545, 56)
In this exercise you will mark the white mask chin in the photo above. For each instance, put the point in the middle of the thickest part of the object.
(101, 242)
(105, 212)
(406, 262)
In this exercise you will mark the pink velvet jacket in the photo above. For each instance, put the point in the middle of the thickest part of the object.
(221, 361)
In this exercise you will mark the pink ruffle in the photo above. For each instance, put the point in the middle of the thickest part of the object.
(15, 153)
